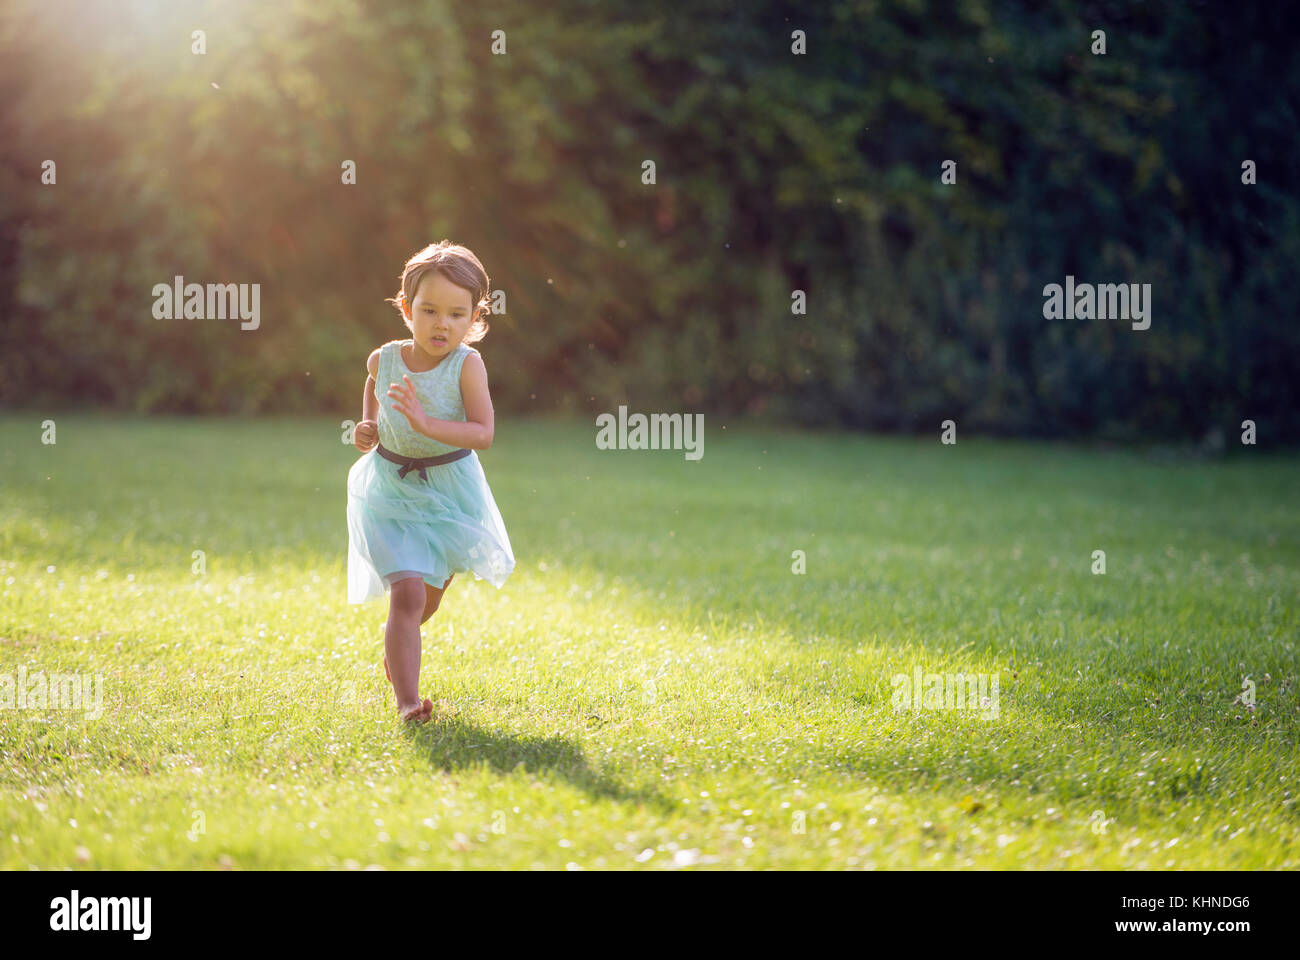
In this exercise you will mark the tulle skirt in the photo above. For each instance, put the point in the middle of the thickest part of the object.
(448, 523)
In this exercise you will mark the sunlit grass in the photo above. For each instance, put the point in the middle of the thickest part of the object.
(653, 686)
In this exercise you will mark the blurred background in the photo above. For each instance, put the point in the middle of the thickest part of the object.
(775, 172)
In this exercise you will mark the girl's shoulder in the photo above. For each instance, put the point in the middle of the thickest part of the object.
(379, 355)
(392, 350)
(466, 351)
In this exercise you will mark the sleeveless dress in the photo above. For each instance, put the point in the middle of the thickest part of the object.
(434, 527)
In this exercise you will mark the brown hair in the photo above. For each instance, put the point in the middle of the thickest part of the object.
(459, 265)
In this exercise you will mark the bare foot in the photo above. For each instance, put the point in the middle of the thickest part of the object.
(419, 713)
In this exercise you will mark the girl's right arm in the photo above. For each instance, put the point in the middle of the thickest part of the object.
(366, 434)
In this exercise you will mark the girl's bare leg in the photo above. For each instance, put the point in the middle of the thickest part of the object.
(432, 597)
(402, 646)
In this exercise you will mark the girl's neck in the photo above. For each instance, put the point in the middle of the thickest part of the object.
(418, 354)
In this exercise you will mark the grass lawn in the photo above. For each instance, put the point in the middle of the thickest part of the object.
(654, 687)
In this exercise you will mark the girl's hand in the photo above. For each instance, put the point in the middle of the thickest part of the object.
(366, 435)
(408, 405)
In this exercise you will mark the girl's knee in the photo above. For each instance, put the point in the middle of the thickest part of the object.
(433, 597)
(407, 596)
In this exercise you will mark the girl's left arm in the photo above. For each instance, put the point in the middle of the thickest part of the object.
(475, 432)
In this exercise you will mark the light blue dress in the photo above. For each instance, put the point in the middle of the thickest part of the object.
(448, 523)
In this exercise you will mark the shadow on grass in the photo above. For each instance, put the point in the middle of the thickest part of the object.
(451, 744)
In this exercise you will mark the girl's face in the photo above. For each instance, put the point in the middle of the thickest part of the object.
(439, 315)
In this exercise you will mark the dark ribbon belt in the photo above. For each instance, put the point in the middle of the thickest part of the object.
(419, 463)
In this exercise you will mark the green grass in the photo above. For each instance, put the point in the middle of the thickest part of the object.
(653, 687)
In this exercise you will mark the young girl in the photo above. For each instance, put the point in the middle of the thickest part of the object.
(419, 508)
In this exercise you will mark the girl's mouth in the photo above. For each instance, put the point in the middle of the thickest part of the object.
(439, 341)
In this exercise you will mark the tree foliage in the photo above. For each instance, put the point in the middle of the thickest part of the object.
(775, 172)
